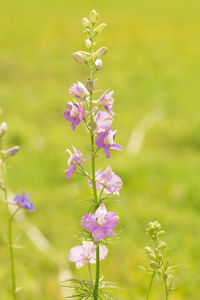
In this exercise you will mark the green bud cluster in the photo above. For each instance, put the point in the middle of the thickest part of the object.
(92, 59)
(157, 264)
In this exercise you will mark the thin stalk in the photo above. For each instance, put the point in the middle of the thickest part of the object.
(166, 290)
(97, 273)
(9, 226)
(150, 285)
(89, 268)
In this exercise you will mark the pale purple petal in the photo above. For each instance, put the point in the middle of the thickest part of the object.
(99, 234)
(110, 233)
(111, 220)
(88, 222)
(101, 210)
(70, 171)
(103, 251)
(106, 151)
(116, 146)
(75, 253)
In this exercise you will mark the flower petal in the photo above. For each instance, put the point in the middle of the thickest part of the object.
(88, 222)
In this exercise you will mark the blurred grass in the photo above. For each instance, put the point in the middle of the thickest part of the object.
(153, 62)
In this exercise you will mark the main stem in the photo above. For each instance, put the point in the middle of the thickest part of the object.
(9, 227)
(166, 290)
(96, 203)
(150, 285)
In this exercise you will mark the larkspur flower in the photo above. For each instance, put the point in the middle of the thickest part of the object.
(108, 180)
(74, 161)
(101, 223)
(23, 201)
(86, 254)
(105, 140)
(107, 101)
(102, 121)
(74, 113)
(79, 91)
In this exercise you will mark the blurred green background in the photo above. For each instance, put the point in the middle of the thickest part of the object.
(153, 66)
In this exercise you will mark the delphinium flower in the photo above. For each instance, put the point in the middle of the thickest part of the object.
(86, 253)
(74, 161)
(97, 117)
(158, 266)
(101, 223)
(23, 201)
(105, 140)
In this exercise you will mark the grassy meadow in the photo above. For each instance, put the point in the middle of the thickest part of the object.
(153, 66)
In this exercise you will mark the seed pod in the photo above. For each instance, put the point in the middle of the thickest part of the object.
(79, 57)
(90, 85)
(100, 52)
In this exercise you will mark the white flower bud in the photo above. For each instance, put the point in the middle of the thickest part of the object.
(3, 128)
(98, 63)
(100, 28)
(94, 16)
(78, 57)
(100, 52)
(170, 280)
(85, 22)
(88, 43)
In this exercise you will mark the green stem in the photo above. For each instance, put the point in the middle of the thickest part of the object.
(97, 273)
(9, 226)
(150, 285)
(89, 268)
(166, 290)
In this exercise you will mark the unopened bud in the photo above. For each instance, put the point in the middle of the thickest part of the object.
(88, 43)
(85, 22)
(94, 16)
(170, 280)
(157, 252)
(88, 33)
(151, 256)
(100, 52)
(166, 264)
(1, 182)
(78, 57)
(98, 63)
(154, 266)
(162, 245)
(10, 152)
(164, 276)
(3, 128)
(159, 258)
(90, 85)
(100, 28)
(148, 250)
(160, 233)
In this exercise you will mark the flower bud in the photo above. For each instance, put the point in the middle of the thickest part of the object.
(79, 57)
(157, 252)
(85, 22)
(1, 182)
(10, 152)
(148, 250)
(154, 266)
(151, 256)
(100, 52)
(160, 233)
(98, 63)
(159, 258)
(162, 245)
(94, 16)
(88, 43)
(166, 264)
(88, 33)
(164, 276)
(90, 85)
(170, 280)
(100, 28)
(3, 128)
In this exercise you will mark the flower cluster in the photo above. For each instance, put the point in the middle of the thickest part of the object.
(96, 114)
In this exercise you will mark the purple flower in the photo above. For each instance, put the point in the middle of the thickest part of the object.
(23, 201)
(79, 91)
(74, 161)
(102, 121)
(74, 113)
(101, 223)
(86, 254)
(105, 140)
(108, 180)
(107, 101)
